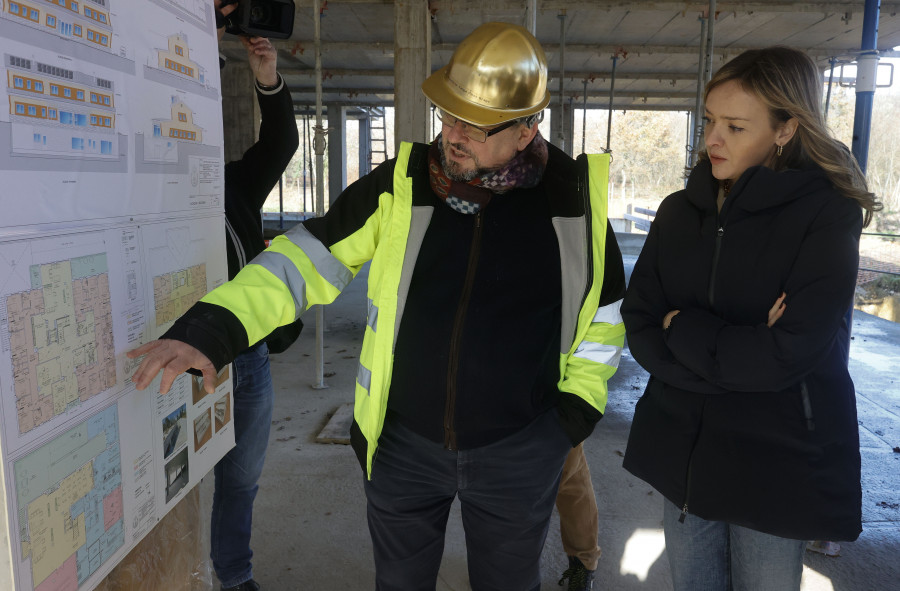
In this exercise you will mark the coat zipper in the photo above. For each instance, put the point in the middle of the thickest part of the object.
(456, 336)
(807, 406)
(687, 483)
(687, 490)
(711, 294)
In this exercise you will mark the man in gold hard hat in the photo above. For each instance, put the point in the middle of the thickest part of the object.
(493, 319)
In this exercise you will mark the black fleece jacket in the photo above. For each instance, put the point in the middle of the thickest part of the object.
(248, 182)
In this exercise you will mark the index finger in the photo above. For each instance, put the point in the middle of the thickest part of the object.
(143, 349)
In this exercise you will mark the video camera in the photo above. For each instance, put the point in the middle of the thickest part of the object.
(260, 18)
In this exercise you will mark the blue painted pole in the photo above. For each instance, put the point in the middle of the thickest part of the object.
(867, 66)
(866, 70)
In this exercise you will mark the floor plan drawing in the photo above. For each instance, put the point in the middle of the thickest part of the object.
(61, 338)
(175, 292)
(69, 494)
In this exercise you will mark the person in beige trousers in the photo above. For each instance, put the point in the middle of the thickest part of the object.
(578, 521)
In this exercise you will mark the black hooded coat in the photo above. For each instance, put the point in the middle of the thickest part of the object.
(743, 423)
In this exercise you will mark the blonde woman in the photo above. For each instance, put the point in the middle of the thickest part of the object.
(737, 307)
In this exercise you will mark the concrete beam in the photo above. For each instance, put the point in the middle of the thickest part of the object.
(292, 46)
(828, 6)
(654, 5)
(412, 64)
(329, 74)
(337, 152)
(240, 111)
(635, 104)
(354, 92)
(562, 125)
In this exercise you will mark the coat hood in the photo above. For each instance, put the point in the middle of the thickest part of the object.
(757, 189)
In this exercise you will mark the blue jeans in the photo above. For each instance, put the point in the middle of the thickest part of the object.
(717, 556)
(506, 492)
(237, 473)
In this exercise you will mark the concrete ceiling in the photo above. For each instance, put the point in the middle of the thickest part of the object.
(656, 44)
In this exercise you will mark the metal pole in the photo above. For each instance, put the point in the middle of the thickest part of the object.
(866, 72)
(689, 128)
(866, 69)
(704, 73)
(697, 127)
(305, 167)
(319, 145)
(612, 94)
(531, 16)
(584, 117)
(710, 28)
(831, 61)
(280, 202)
(562, 75)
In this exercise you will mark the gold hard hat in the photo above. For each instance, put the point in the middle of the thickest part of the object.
(497, 73)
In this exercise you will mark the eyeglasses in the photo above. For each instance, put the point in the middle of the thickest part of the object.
(473, 132)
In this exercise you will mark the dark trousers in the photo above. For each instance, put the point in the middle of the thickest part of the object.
(237, 474)
(506, 492)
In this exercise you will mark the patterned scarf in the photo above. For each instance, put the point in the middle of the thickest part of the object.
(525, 170)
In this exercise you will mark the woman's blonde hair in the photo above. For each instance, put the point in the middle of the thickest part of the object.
(787, 82)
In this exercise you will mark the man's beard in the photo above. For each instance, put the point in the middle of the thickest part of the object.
(455, 170)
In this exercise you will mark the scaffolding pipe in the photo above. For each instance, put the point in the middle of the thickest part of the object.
(704, 73)
(831, 61)
(562, 75)
(280, 203)
(697, 127)
(310, 166)
(305, 167)
(319, 145)
(584, 116)
(688, 130)
(710, 29)
(531, 16)
(612, 94)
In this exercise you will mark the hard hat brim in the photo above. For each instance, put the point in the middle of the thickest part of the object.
(449, 97)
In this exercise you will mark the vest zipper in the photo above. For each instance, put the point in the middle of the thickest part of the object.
(585, 190)
(456, 336)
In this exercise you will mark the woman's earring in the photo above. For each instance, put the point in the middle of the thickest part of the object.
(779, 150)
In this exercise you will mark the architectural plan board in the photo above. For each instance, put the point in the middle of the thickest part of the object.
(111, 164)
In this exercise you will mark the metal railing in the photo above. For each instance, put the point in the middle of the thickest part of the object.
(879, 253)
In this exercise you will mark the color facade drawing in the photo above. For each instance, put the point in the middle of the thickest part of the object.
(86, 21)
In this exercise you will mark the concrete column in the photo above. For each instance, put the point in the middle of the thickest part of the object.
(337, 151)
(412, 64)
(240, 111)
(365, 145)
(562, 122)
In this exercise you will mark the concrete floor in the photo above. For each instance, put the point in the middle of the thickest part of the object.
(310, 532)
